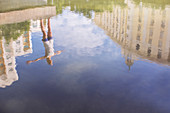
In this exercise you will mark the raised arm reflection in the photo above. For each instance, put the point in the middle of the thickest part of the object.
(48, 45)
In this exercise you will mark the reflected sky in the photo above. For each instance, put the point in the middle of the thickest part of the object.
(97, 72)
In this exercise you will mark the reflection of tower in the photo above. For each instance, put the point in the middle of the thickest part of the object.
(141, 30)
(8, 52)
(129, 57)
(129, 61)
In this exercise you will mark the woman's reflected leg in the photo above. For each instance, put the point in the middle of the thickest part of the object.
(43, 30)
(49, 29)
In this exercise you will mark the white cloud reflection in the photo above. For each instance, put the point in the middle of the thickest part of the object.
(79, 37)
(77, 34)
(77, 67)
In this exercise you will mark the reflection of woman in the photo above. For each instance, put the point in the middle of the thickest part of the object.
(48, 44)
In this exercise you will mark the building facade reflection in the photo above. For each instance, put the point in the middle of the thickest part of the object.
(142, 32)
(8, 52)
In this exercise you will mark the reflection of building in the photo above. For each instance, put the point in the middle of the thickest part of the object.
(8, 52)
(142, 32)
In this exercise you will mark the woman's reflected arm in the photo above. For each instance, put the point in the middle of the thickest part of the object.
(30, 61)
(58, 52)
(41, 58)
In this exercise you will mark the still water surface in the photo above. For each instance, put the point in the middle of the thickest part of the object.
(111, 56)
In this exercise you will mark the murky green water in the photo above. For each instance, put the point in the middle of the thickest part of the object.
(105, 56)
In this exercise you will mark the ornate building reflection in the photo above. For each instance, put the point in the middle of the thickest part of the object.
(8, 52)
(142, 32)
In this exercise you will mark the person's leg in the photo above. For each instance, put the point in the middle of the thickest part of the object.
(43, 30)
(49, 30)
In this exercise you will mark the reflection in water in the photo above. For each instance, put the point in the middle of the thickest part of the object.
(142, 32)
(94, 83)
(15, 34)
(15, 41)
(16, 38)
(140, 27)
(8, 51)
(48, 45)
